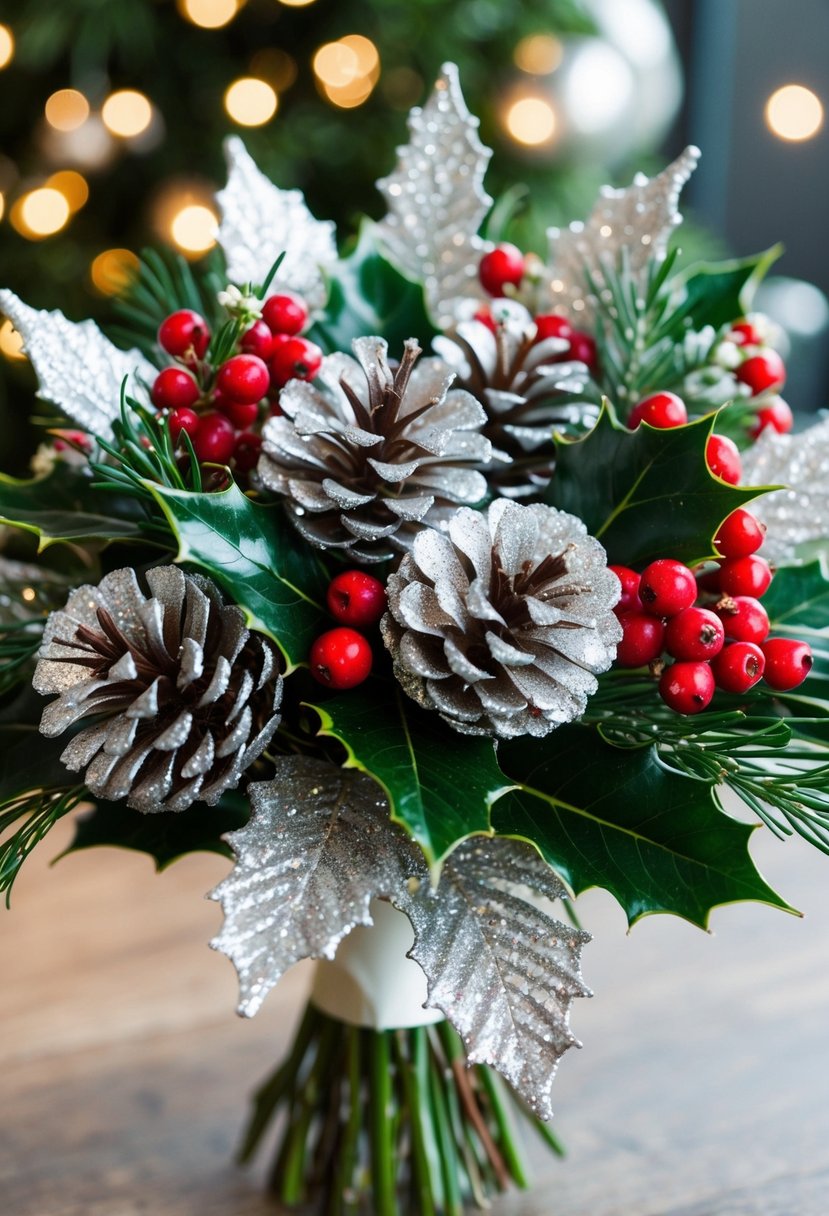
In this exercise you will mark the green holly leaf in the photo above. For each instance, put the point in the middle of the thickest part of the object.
(646, 493)
(720, 292)
(440, 785)
(63, 507)
(798, 598)
(254, 555)
(619, 819)
(368, 296)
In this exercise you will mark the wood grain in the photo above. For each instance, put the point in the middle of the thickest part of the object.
(701, 1090)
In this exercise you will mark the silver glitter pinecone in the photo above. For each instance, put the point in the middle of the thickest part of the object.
(375, 452)
(527, 396)
(502, 623)
(181, 696)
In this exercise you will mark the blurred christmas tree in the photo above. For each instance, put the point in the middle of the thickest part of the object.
(113, 113)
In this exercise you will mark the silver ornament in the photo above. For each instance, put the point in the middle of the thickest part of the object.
(78, 369)
(260, 221)
(799, 513)
(437, 201)
(638, 219)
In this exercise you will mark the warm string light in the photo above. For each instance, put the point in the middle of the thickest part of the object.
(538, 54)
(127, 113)
(250, 102)
(193, 229)
(296, 3)
(72, 185)
(794, 113)
(531, 121)
(66, 110)
(2, 204)
(6, 46)
(40, 213)
(347, 70)
(11, 343)
(209, 14)
(112, 270)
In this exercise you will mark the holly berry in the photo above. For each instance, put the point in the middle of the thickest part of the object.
(296, 359)
(687, 687)
(242, 414)
(738, 666)
(723, 458)
(501, 266)
(340, 658)
(740, 535)
(583, 348)
(666, 587)
(183, 333)
(243, 378)
(661, 410)
(183, 419)
(551, 325)
(285, 313)
(745, 576)
(246, 451)
(777, 415)
(485, 317)
(694, 633)
(787, 663)
(174, 389)
(642, 641)
(743, 333)
(629, 601)
(258, 340)
(215, 439)
(744, 618)
(761, 372)
(356, 598)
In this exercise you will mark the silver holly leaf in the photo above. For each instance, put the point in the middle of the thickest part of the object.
(260, 221)
(78, 369)
(799, 513)
(436, 201)
(503, 971)
(317, 848)
(639, 219)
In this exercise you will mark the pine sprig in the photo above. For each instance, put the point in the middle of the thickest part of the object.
(19, 643)
(163, 283)
(39, 811)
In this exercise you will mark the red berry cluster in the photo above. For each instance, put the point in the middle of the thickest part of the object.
(220, 407)
(666, 410)
(762, 369)
(707, 631)
(342, 657)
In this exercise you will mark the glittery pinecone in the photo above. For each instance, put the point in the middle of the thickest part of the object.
(502, 623)
(527, 396)
(181, 696)
(375, 452)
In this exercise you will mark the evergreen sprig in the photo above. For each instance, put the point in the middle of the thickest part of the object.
(36, 813)
(19, 643)
(163, 283)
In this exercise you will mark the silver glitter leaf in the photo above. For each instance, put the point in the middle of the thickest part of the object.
(437, 201)
(317, 848)
(639, 219)
(260, 221)
(799, 513)
(78, 369)
(501, 969)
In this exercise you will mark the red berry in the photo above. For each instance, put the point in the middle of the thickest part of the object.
(666, 587)
(258, 340)
(485, 317)
(356, 598)
(183, 333)
(242, 414)
(695, 633)
(503, 264)
(787, 663)
(629, 579)
(778, 416)
(642, 639)
(583, 348)
(243, 378)
(215, 439)
(285, 313)
(738, 666)
(550, 325)
(687, 687)
(744, 618)
(340, 658)
(708, 578)
(183, 419)
(174, 389)
(761, 372)
(723, 458)
(740, 535)
(296, 359)
(743, 333)
(661, 410)
(745, 576)
(246, 451)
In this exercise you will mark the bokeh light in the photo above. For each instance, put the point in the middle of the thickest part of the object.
(6, 45)
(208, 14)
(40, 213)
(127, 113)
(794, 113)
(112, 270)
(2, 205)
(296, 3)
(66, 110)
(531, 121)
(275, 66)
(11, 343)
(347, 70)
(250, 102)
(193, 228)
(73, 186)
(538, 54)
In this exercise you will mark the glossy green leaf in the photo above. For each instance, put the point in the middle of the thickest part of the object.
(646, 493)
(619, 819)
(254, 555)
(63, 507)
(440, 785)
(165, 836)
(720, 292)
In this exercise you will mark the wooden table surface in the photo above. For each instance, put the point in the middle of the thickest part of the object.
(701, 1089)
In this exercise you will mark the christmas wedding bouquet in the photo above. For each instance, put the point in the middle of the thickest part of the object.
(421, 582)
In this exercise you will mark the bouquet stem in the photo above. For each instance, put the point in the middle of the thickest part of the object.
(388, 1122)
